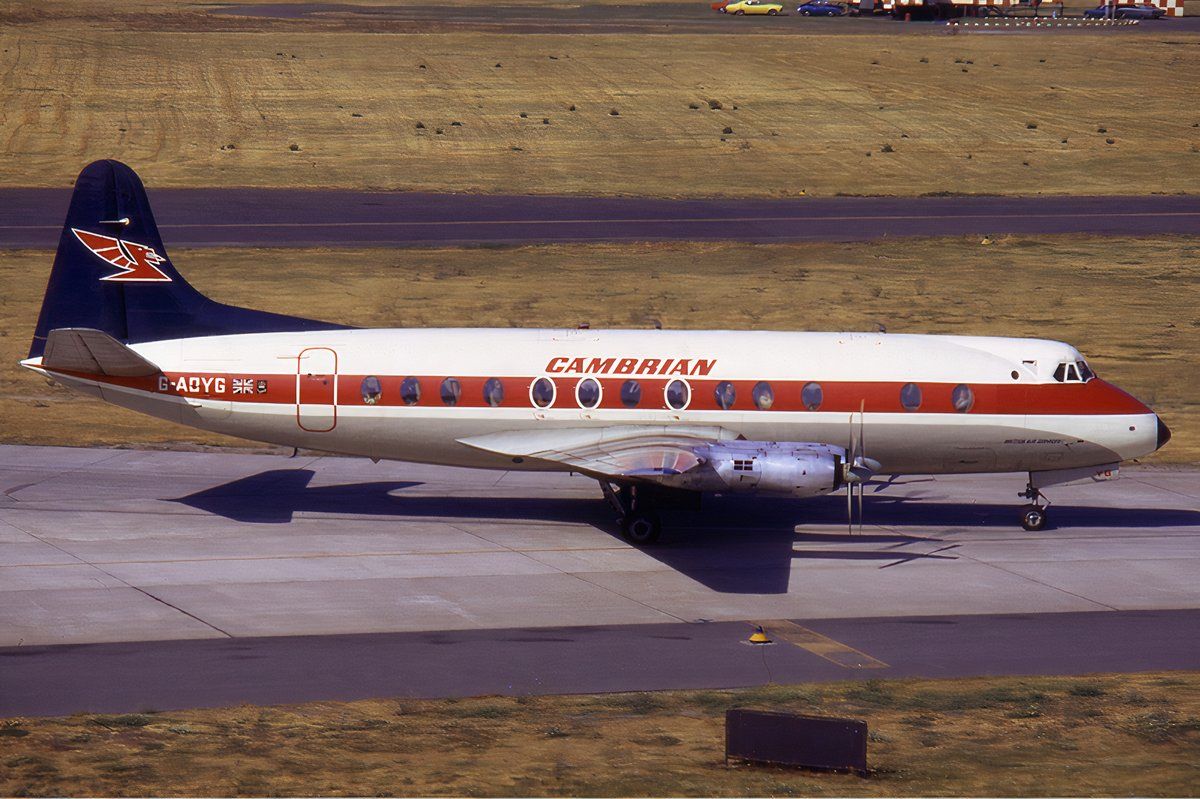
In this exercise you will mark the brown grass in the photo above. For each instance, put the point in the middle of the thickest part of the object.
(1129, 304)
(1116, 735)
(166, 89)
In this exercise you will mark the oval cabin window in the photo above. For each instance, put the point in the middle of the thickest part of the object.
(725, 395)
(631, 393)
(587, 393)
(763, 395)
(910, 396)
(410, 391)
(451, 391)
(963, 398)
(678, 395)
(812, 395)
(541, 393)
(372, 390)
(493, 392)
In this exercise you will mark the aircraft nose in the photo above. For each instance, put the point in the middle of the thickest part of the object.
(1164, 433)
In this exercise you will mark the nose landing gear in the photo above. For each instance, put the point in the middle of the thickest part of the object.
(1033, 516)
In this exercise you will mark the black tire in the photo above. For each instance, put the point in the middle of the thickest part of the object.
(641, 529)
(1033, 518)
(771, 12)
(806, 13)
(739, 13)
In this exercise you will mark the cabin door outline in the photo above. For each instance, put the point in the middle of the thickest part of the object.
(316, 389)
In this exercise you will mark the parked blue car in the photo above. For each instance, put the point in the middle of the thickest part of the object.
(822, 8)
(1125, 12)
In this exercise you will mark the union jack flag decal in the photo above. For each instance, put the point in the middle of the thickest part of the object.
(243, 385)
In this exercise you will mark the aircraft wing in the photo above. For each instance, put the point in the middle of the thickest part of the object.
(81, 349)
(630, 452)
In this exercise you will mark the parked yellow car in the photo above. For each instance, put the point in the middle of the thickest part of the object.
(753, 7)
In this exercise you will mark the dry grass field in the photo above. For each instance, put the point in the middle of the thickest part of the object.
(1132, 305)
(1116, 735)
(188, 98)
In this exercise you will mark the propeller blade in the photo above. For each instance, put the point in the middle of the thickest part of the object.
(850, 508)
(861, 489)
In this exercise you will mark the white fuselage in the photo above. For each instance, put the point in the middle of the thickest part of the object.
(984, 404)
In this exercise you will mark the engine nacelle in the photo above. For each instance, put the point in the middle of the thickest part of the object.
(770, 467)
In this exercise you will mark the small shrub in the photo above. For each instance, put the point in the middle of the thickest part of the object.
(421, 67)
(294, 148)
(572, 108)
(887, 148)
(1031, 126)
(694, 106)
(924, 60)
(715, 105)
(545, 121)
(439, 132)
(456, 124)
(523, 115)
(1086, 689)
(126, 720)
(612, 112)
(420, 126)
(1110, 141)
(727, 131)
(356, 116)
(1102, 130)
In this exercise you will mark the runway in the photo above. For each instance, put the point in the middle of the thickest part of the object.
(660, 18)
(133, 579)
(32, 218)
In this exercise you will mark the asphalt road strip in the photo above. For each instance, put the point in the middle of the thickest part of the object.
(32, 218)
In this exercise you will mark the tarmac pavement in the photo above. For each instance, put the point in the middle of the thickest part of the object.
(133, 579)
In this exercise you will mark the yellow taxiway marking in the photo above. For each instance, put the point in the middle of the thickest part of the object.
(820, 645)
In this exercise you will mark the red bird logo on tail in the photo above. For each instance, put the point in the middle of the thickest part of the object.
(137, 262)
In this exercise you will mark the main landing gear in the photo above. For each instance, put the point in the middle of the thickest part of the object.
(1033, 515)
(640, 524)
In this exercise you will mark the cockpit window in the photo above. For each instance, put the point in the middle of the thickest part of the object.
(1071, 372)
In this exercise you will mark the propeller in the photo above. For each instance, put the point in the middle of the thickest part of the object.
(858, 469)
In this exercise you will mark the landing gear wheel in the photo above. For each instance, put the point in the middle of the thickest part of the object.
(641, 529)
(1033, 517)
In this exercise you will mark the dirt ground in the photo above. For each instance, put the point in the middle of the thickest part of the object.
(188, 98)
(1109, 735)
(1131, 305)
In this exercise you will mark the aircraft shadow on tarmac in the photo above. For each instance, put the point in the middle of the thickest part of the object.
(735, 545)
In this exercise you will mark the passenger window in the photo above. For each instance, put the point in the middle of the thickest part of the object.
(678, 395)
(371, 390)
(812, 395)
(493, 392)
(410, 391)
(541, 393)
(587, 393)
(451, 391)
(725, 395)
(763, 395)
(631, 393)
(963, 398)
(910, 396)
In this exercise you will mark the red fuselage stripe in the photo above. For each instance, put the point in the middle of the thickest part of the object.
(1096, 397)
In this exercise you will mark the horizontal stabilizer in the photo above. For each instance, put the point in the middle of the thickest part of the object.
(630, 451)
(81, 349)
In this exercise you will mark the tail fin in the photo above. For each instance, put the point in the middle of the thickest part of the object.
(112, 273)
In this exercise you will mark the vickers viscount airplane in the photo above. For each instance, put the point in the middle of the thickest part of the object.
(650, 414)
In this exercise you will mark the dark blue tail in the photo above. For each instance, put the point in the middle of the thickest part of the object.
(112, 273)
